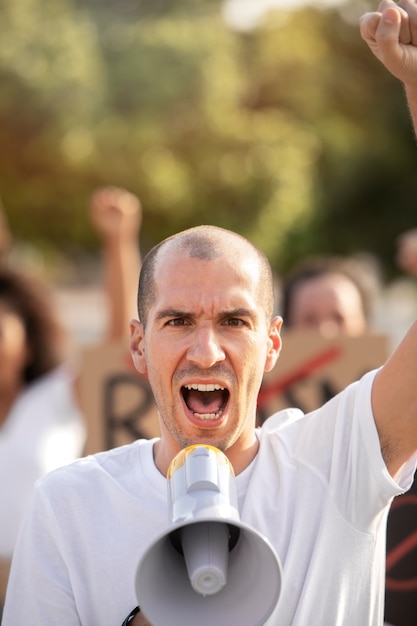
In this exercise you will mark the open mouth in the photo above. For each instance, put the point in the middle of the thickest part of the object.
(205, 401)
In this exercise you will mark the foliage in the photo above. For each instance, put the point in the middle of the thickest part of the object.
(291, 134)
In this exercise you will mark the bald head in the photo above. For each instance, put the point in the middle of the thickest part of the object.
(204, 243)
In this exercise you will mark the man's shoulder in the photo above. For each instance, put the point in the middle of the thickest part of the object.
(113, 462)
(282, 419)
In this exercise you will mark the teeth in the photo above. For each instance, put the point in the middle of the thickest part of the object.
(207, 416)
(200, 387)
(206, 387)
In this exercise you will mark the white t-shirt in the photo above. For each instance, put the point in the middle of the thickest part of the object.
(43, 431)
(318, 489)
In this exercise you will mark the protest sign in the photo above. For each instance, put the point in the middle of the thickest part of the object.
(311, 370)
(117, 402)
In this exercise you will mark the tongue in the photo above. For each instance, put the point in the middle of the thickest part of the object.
(205, 401)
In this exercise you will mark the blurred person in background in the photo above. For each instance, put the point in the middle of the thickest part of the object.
(41, 421)
(41, 426)
(331, 295)
(6, 239)
(407, 252)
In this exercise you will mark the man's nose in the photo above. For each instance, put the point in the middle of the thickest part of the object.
(205, 349)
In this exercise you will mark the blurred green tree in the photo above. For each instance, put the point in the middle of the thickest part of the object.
(290, 134)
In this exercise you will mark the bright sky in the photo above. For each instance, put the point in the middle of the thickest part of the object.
(245, 14)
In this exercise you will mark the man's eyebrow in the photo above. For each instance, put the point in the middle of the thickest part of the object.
(164, 313)
(173, 313)
(241, 312)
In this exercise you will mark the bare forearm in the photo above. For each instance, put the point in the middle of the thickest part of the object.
(394, 403)
(411, 93)
(117, 214)
(122, 264)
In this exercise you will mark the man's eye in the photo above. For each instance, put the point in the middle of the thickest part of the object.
(234, 321)
(177, 321)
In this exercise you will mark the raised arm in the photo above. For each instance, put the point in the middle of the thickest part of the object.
(391, 34)
(116, 215)
(6, 238)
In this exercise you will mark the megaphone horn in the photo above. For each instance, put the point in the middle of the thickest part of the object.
(208, 567)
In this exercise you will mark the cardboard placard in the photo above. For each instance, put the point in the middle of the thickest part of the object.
(311, 370)
(117, 402)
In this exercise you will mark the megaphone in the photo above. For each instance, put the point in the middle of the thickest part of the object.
(209, 567)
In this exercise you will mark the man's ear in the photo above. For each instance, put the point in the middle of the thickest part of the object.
(137, 348)
(275, 343)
